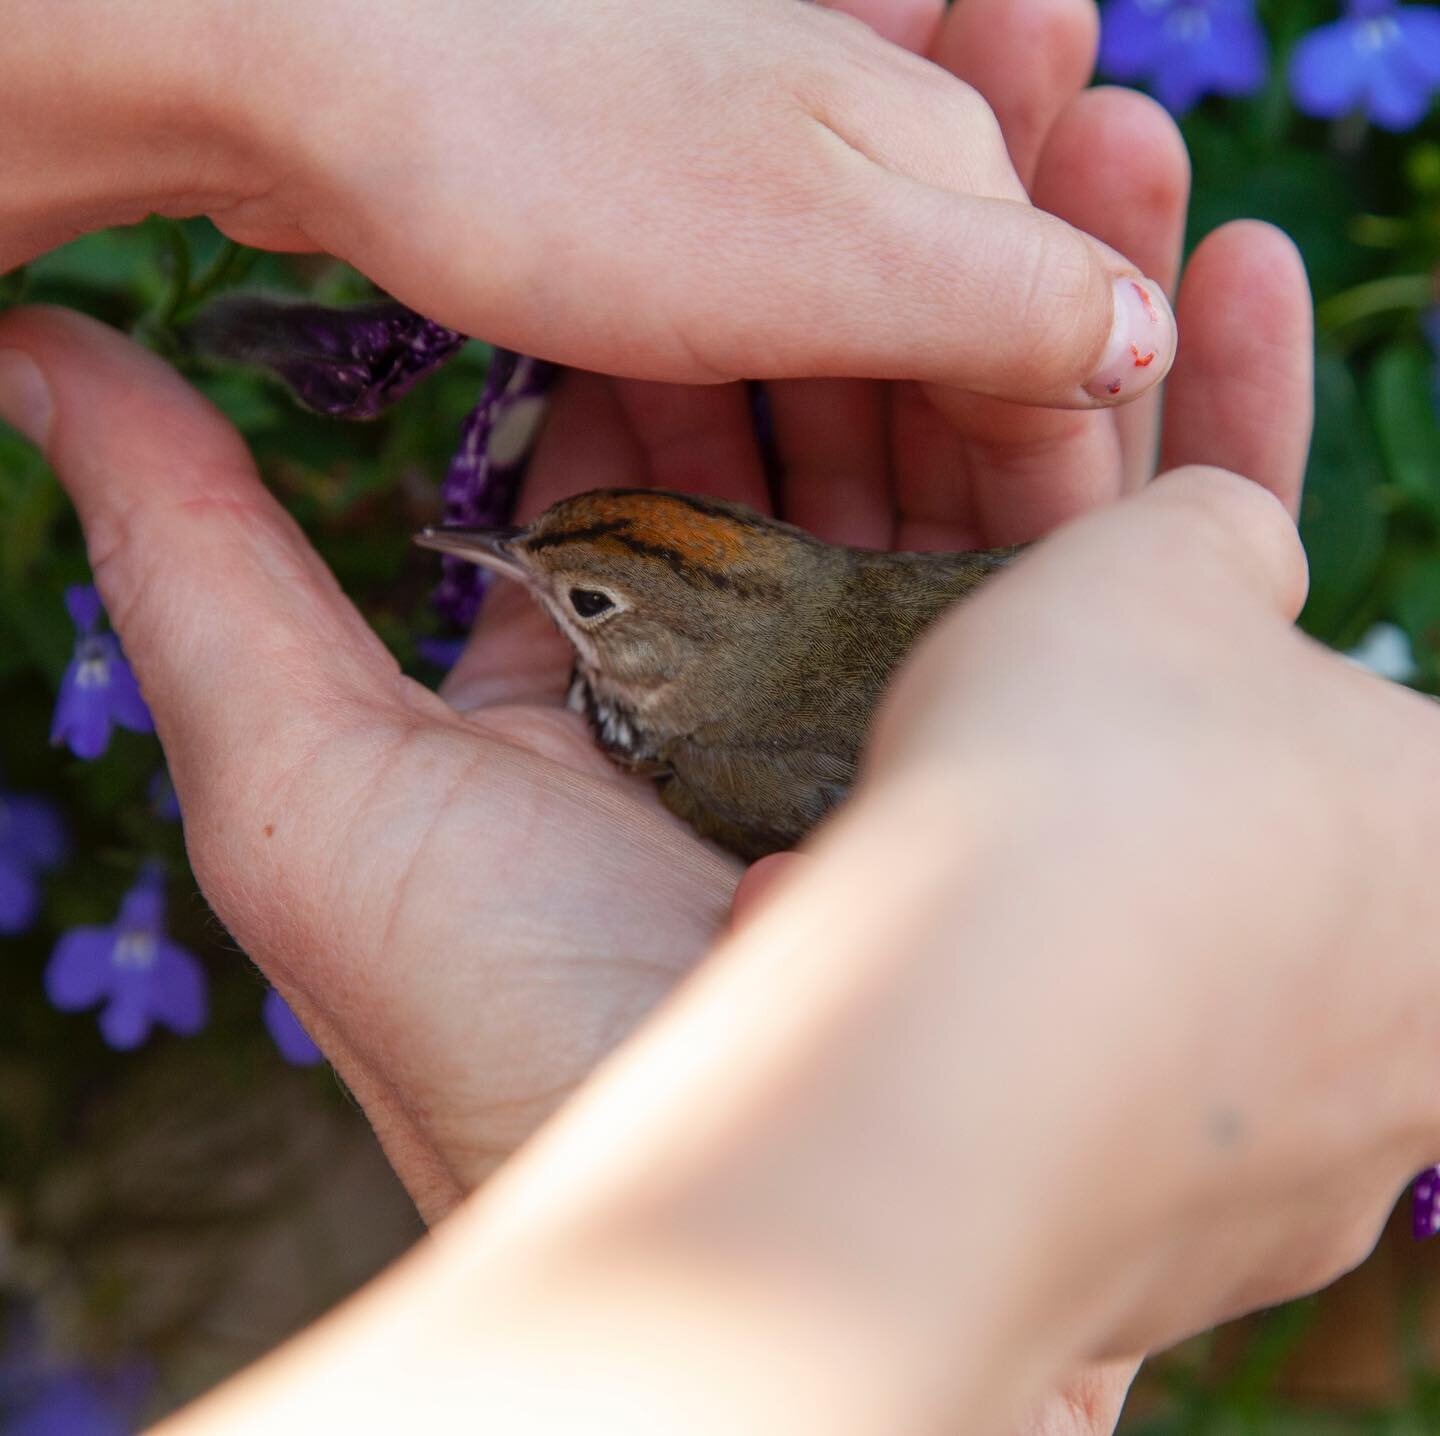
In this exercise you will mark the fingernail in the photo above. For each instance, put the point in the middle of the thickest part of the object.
(1142, 343)
(25, 401)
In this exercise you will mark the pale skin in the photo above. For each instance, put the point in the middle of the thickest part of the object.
(1107, 848)
(667, 190)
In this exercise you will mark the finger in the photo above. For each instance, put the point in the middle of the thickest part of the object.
(586, 443)
(832, 439)
(1115, 166)
(1243, 391)
(1195, 533)
(832, 435)
(698, 440)
(1114, 163)
(183, 540)
(759, 881)
(1028, 58)
(986, 295)
(911, 24)
(972, 472)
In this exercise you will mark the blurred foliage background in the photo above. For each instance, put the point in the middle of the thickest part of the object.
(168, 1213)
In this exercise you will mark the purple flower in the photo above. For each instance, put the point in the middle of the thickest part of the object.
(292, 1039)
(32, 839)
(1184, 48)
(141, 976)
(98, 690)
(1425, 1204)
(67, 1403)
(1382, 60)
(348, 363)
(45, 1395)
(484, 476)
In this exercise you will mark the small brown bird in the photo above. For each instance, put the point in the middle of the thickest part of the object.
(734, 658)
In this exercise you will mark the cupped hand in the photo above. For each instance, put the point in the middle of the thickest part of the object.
(674, 191)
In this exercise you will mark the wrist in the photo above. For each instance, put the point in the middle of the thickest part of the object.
(145, 118)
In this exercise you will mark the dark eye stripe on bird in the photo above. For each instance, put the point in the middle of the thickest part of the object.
(745, 657)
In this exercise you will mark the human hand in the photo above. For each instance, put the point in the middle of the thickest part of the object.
(1086, 1023)
(667, 191)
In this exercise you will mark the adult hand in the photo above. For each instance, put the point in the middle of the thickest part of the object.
(664, 190)
(1100, 1014)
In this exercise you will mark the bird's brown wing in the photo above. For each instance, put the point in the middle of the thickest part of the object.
(755, 800)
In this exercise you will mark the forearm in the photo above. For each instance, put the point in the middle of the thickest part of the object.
(112, 109)
(761, 1235)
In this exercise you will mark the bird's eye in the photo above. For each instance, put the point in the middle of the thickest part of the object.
(589, 603)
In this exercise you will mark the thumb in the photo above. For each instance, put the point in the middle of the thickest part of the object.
(238, 633)
(993, 296)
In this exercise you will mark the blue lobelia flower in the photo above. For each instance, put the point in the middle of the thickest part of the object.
(1381, 60)
(284, 1027)
(1184, 49)
(141, 976)
(32, 839)
(98, 690)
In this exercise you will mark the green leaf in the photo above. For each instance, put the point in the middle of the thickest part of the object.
(1342, 521)
(1402, 402)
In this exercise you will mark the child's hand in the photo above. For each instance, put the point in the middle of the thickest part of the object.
(658, 188)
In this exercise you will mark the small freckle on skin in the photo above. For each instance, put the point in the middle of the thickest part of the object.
(269, 830)
(1226, 1127)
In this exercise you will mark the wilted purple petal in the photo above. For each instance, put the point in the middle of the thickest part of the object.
(178, 995)
(78, 974)
(287, 1033)
(19, 896)
(82, 601)
(349, 363)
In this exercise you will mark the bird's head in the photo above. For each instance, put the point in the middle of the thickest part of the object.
(643, 582)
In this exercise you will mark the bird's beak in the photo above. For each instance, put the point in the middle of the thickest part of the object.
(490, 548)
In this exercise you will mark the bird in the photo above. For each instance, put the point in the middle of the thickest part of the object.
(735, 659)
